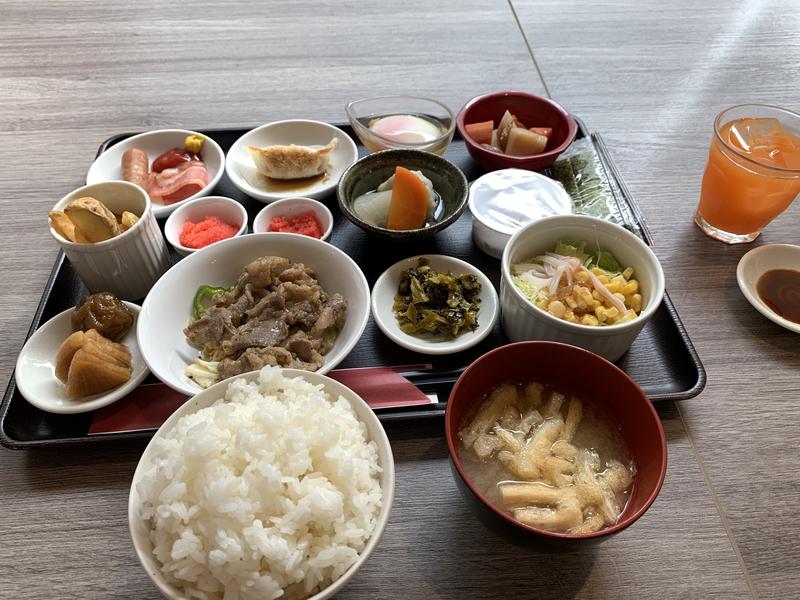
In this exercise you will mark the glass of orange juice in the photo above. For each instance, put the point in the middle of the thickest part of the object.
(753, 171)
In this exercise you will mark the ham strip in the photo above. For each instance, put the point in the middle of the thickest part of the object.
(178, 183)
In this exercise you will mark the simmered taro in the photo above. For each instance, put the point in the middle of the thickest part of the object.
(437, 303)
(104, 312)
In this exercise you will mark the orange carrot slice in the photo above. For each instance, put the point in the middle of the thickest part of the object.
(545, 131)
(409, 206)
(481, 133)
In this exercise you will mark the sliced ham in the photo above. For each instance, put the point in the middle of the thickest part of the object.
(178, 183)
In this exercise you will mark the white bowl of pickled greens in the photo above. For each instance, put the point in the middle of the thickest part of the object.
(434, 304)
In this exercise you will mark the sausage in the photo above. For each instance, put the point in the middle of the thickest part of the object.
(135, 167)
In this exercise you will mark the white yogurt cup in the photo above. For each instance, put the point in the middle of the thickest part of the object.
(503, 202)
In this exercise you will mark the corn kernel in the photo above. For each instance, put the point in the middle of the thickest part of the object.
(596, 295)
(571, 302)
(613, 286)
(598, 271)
(636, 302)
(582, 276)
(557, 309)
(570, 316)
(631, 287)
(620, 296)
(590, 320)
(602, 279)
(600, 313)
(542, 303)
(628, 273)
(612, 313)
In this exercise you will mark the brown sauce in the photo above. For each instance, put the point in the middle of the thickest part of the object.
(780, 290)
(290, 185)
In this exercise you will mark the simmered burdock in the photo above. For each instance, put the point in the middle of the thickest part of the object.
(105, 313)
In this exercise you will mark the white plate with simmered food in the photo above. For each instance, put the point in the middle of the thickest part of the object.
(276, 299)
(171, 165)
(434, 304)
(58, 369)
(285, 159)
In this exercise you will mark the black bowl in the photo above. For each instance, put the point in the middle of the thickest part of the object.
(368, 173)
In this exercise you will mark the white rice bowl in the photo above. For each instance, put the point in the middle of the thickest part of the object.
(273, 491)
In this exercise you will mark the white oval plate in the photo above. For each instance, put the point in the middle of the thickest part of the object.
(757, 262)
(242, 171)
(385, 289)
(108, 166)
(35, 373)
(166, 310)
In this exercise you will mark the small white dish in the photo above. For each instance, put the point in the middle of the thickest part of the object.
(757, 262)
(375, 432)
(35, 373)
(242, 172)
(167, 309)
(385, 289)
(227, 209)
(503, 202)
(108, 166)
(292, 207)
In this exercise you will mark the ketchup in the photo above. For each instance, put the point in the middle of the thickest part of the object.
(172, 158)
(780, 290)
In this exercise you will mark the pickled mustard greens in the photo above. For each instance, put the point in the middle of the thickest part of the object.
(580, 285)
(431, 302)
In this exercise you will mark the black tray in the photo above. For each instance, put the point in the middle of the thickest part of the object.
(662, 359)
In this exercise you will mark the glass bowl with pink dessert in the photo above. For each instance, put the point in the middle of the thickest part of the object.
(389, 122)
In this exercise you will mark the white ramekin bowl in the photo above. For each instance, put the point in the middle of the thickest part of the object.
(522, 320)
(129, 264)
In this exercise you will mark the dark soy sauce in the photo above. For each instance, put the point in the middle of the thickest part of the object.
(780, 290)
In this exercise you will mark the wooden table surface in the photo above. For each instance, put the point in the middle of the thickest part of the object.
(650, 75)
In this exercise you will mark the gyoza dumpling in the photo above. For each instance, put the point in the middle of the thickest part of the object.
(292, 162)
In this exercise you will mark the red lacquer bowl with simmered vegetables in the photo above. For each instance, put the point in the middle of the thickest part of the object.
(544, 129)
(550, 442)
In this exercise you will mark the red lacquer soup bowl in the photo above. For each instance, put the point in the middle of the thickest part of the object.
(533, 111)
(573, 371)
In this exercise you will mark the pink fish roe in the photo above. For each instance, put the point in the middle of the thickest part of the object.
(206, 232)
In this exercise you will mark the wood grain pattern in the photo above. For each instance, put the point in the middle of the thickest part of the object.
(71, 75)
(652, 76)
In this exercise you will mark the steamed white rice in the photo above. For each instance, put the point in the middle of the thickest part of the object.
(272, 492)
